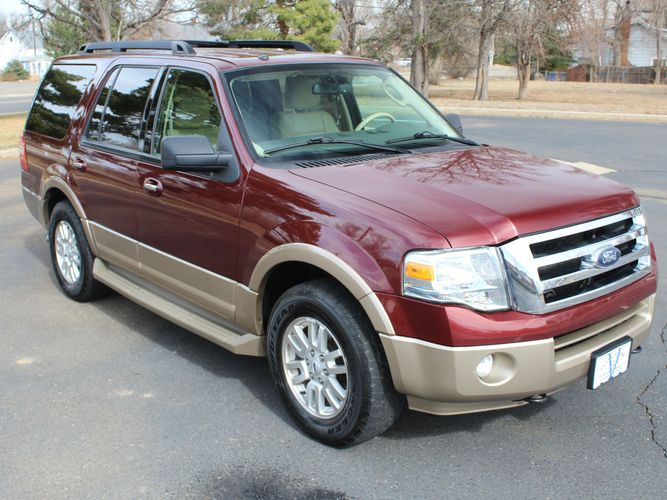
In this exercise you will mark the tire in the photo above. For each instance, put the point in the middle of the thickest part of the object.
(356, 399)
(66, 233)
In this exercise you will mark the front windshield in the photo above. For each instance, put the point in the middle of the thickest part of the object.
(339, 102)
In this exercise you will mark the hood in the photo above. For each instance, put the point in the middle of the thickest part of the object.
(480, 196)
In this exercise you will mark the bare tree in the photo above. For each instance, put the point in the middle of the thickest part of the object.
(419, 67)
(106, 19)
(659, 14)
(531, 23)
(4, 26)
(491, 14)
(349, 24)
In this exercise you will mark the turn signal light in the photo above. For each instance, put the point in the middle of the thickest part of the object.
(419, 271)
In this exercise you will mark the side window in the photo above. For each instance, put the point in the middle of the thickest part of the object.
(187, 107)
(57, 99)
(120, 107)
(102, 101)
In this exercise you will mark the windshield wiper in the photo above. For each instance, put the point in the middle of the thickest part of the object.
(330, 140)
(430, 135)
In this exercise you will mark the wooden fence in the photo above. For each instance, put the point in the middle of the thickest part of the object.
(614, 74)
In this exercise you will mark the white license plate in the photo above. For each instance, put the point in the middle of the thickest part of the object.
(609, 362)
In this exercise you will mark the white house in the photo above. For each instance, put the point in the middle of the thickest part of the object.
(640, 43)
(30, 53)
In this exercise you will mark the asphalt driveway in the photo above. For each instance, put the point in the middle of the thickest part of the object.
(109, 400)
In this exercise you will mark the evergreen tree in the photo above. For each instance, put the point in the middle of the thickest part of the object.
(311, 21)
(14, 71)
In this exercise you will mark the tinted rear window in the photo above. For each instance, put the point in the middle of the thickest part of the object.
(57, 99)
(120, 108)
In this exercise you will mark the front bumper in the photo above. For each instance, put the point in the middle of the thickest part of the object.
(442, 380)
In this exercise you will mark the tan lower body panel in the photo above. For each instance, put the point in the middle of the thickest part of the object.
(176, 311)
(442, 380)
(35, 205)
(208, 290)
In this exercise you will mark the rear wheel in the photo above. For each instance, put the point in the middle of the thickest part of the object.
(328, 365)
(71, 257)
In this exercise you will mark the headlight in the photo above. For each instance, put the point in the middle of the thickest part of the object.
(474, 277)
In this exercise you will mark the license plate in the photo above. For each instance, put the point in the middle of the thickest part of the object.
(609, 362)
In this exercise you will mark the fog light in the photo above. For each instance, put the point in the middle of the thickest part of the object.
(484, 366)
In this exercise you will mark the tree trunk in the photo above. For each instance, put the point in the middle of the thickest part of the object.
(658, 40)
(104, 17)
(282, 25)
(435, 71)
(352, 39)
(523, 70)
(419, 66)
(483, 63)
(348, 25)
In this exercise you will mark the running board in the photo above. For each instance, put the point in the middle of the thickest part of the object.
(245, 343)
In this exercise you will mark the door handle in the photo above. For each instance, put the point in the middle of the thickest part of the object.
(153, 186)
(79, 164)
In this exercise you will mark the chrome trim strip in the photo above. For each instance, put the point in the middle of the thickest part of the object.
(594, 294)
(580, 228)
(566, 279)
(588, 249)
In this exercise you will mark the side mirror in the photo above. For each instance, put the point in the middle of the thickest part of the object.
(191, 153)
(455, 121)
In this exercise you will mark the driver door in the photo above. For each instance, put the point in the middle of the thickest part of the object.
(188, 222)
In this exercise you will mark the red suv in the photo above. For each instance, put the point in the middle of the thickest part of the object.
(317, 209)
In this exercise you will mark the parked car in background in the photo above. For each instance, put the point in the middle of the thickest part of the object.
(317, 210)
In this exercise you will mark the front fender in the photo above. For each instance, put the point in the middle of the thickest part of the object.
(333, 252)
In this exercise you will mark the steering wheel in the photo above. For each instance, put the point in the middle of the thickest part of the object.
(374, 116)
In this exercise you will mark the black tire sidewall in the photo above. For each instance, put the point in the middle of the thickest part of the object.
(64, 212)
(335, 430)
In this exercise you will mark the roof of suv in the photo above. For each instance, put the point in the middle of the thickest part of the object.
(236, 54)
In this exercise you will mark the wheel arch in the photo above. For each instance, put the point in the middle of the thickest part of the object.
(56, 190)
(311, 262)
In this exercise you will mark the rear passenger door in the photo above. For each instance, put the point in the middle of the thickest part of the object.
(49, 125)
(188, 222)
(104, 162)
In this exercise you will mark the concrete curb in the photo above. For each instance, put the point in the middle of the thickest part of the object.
(555, 114)
(6, 154)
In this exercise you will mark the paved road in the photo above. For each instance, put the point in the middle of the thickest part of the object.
(16, 97)
(108, 400)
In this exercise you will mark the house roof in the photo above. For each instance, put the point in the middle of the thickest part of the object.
(25, 37)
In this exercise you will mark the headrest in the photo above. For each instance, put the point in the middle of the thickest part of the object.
(299, 93)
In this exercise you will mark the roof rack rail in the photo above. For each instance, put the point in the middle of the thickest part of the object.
(175, 46)
(271, 44)
(181, 47)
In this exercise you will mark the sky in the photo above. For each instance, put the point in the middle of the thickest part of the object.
(11, 6)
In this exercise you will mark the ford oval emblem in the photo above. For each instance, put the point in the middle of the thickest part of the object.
(606, 257)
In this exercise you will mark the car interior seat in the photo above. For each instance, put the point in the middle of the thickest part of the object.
(303, 113)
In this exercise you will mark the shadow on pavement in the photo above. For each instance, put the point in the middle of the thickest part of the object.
(253, 371)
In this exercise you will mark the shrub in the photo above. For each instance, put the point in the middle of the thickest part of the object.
(14, 71)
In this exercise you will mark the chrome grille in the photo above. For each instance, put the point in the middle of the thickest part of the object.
(557, 269)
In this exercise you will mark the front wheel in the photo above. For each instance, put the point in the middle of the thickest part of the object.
(328, 365)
